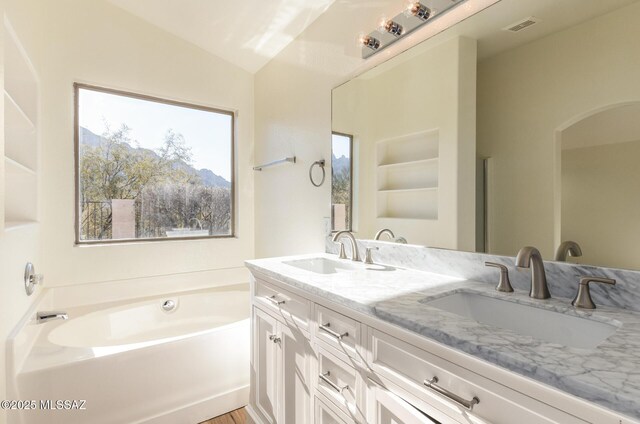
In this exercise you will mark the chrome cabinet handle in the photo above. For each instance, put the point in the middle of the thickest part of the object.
(275, 338)
(275, 301)
(469, 404)
(325, 377)
(326, 329)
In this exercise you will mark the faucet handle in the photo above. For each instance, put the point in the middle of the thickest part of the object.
(367, 255)
(342, 254)
(583, 296)
(504, 285)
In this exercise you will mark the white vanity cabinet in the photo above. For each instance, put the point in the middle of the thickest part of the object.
(314, 361)
(281, 363)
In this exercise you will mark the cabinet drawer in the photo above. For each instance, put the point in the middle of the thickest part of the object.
(451, 386)
(338, 331)
(293, 309)
(387, 407)
(340, 383)
(326, 413)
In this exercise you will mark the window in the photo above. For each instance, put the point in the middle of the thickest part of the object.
(151, 169)
(341, 181)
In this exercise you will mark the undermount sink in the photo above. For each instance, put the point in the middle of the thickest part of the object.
(321, 265)
(542, 324)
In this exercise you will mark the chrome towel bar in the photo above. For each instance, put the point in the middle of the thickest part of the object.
(291, 159)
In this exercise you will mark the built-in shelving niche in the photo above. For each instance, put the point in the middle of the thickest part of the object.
(20, 135)
(407, 176)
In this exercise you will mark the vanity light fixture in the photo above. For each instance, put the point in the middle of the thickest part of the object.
(414, 15)
(370, 42)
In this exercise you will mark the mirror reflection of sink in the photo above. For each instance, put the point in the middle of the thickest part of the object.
(542, 324)
(322, 265)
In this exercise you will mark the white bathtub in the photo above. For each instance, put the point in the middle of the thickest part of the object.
(137, 363)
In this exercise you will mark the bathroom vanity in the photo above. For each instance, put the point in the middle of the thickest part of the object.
(335, 341)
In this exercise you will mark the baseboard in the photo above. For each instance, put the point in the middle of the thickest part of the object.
(252, 414)
(203, 410)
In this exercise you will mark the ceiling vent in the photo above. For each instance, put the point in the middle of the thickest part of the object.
(521, 24)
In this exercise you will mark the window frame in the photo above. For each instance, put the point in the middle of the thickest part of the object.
(350, 214)
(77, 86)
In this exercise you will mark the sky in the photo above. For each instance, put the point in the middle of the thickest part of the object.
(340, 145)
(207, 133)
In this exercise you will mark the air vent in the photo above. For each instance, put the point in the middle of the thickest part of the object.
(521, 25)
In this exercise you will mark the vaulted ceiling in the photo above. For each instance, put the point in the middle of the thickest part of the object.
(247, 33)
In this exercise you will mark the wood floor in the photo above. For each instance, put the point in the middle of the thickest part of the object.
(239, 416)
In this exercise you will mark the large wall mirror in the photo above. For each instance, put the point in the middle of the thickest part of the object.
(519, 126)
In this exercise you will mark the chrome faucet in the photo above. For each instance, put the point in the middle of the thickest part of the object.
(44, 316)
(355, 255)
(529, 257)
(388, 232)
(570, 248)
(383, 232)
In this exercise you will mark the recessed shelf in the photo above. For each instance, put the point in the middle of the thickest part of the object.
(409, 163)
(404, 218)
(20, 80)
(408, 190)
(15, 166)
(15, 108)
(408, 176)
(406, 148)
(20, 135)
(17, 225)
(409, 204)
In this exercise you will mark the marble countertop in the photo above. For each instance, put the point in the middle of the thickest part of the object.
(608, 375)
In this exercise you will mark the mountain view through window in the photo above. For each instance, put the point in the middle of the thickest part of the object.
(151, 169)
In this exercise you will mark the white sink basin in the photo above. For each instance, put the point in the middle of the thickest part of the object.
(542, 324)
(321, 265)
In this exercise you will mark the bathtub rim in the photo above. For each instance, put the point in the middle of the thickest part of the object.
(152, 302)
(39, 333)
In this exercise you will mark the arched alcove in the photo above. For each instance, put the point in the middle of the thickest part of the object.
(597, 197)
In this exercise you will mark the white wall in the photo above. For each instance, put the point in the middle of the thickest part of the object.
(97, 43)
(600, 205)
(433, 92)
(293, 116)
(17, 247)
(525, 96)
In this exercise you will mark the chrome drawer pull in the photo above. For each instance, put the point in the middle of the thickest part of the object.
(275, 301)
(469, 404)
(325, 328)
(325, 377)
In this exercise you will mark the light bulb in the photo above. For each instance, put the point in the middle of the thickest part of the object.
(393, 28)
(370, 42)
(419, 10)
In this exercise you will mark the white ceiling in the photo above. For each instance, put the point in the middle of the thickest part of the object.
(247, 33)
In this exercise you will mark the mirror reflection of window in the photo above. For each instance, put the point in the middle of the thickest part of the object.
(341, 181)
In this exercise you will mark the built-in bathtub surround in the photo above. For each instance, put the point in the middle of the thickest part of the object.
(606, 375)
(181, 357)
(562, 278)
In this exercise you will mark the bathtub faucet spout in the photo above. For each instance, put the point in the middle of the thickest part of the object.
(44, 316)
